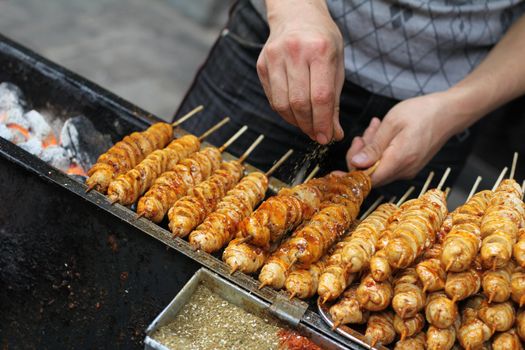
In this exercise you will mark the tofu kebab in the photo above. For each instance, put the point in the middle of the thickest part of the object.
(219, 228)
(173, 185)
(128, 187)
(353, 253)
(130, 151)
(191, 210)
(344, 196)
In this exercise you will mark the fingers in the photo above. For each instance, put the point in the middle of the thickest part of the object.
(339, 81)
(388, 170)
(299, 95)
(373, 150)
(322, 95)
(357, 145)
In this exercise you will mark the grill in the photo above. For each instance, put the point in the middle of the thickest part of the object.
(76, 271)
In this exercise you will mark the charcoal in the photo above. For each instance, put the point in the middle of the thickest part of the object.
(56, 156)
(6, 133)
(83, 141)
(38, 125)
(33, 146)
(12, 105)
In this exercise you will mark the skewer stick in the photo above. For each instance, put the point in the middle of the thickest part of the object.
(500, 177)
(235, 268)
(233, 138)
(522, 189)
(405, 196)
(214, 128)
(279, 162)
(372, 207)
(313, 173)
(90, 188)
(373, 168)
(474, 188)
(447, 192)
(140, 215)
(250, 149)
(292, 295)
(513, 167)
(392, 200)
(443, 179)
(187, 116)
(426, 184)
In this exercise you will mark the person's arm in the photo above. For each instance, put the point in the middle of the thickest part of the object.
(301, 66)
(415, 129)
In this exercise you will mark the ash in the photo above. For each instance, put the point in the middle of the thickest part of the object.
(73, 145)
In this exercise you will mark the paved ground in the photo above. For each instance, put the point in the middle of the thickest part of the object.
(143, 50)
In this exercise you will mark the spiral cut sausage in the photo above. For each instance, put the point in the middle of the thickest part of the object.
(497, 284)
(431, 272)
(244, 257)
(440, 311)
(508, 340)
(220, 226)
(282, 213)
(125, 154)
(191, 210)
(353, 253)
(518, 251)
(374, 296)
(417, 342)
(442, 339)
(172, 185)
(500, 225)
(520, 325)
(499, 317)
(303, 283)
(461, 285)
(416, 229)
(408, 327)
(409, 297)
(380, 328)
(128, 187)
(473, 332)
(348, 310)
(463, 241)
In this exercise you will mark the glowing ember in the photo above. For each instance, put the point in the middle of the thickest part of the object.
(20, 129)
(75, 169)
(49, 140)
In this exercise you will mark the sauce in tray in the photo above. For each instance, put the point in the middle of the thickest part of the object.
(209, 322)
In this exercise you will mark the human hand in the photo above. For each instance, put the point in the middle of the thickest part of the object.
(301, 67)
(406, 139)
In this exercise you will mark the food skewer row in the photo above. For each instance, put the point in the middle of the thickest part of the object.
(309, 243)
(508, 340)
(473, 332)
(499, 317)
(380, 328)
(416, 342)
(380, 268)
(190, 211)
(408, 327)
(409, 297)
(501, 222)
(130, 151)
(517, 286)
(373, 295)
(348, 310)
(353, 253)
(128, 187)
(520, 324)
(442, 338)
(219, 228)
(303, 282)
(243, 256)
(172, 185)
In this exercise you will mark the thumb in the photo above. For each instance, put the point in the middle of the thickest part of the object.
(373, 150)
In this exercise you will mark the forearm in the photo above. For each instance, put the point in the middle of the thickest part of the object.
(280, 9)
(497, 80)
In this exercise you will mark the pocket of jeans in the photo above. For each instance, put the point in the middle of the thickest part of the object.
(246, 43)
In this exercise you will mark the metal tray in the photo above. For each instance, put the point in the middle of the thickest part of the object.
(233, 294)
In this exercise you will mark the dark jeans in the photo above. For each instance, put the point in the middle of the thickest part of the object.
(228, 85)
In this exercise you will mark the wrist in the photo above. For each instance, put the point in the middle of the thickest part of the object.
(461, 109)
(279, 10)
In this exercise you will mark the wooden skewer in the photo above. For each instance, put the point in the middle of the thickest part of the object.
(522, 189)
(372, 169)
(187, 116)
(500, 177)
(513, 167)
(392, 200)
(405, 196)
(372, 207)
(312, 173)
(233, 138)
(474, 188)
(426, 184)
(250, 149)
(447, 192)
(214, 128)
(443, 179)
(279, 162)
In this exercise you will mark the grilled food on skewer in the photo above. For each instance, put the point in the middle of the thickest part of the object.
(517, 286)
(353, 253)
(440, 311)
(497, 284)
(441, 339)
(303, 283)
(380, 328)
(499, 317)
(520, 324)
(125, 154)
(473, 332)
(374, 296)
(348, 310)
(508, 340)
(417, 342)
(409, 297)
(518, 251)
(500, 224)
(408, 327)
(461, 285)
(244, 257)
(432, 274)
(462, 243)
